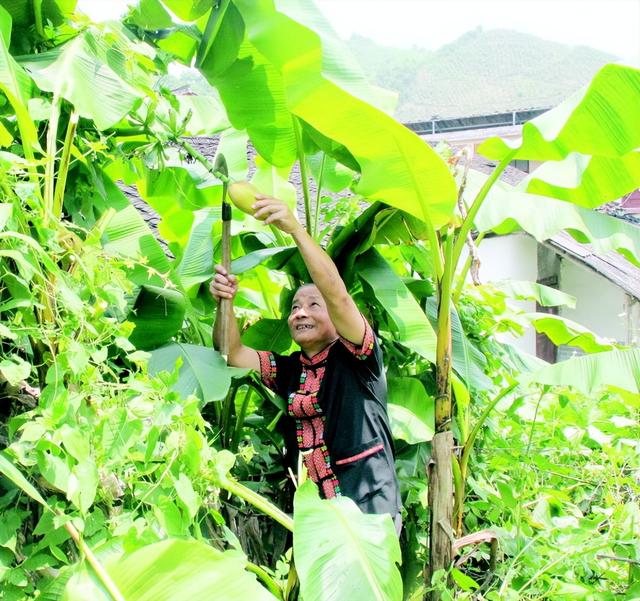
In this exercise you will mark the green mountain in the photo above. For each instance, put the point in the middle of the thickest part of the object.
(481, 73)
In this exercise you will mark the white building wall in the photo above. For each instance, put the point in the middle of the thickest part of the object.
(512, 257)
(600, 306)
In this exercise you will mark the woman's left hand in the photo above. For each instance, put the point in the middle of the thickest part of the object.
(275, 212)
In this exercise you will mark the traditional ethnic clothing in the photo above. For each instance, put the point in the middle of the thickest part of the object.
(337, 419)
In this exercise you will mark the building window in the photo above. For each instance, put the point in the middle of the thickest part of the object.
(521, 164)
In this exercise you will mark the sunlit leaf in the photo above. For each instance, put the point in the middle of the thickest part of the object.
(617, 369)
(507, 209)
(410, 410)
(341, 553)
(92, 72)
(270, 81)
(588, 181)
(524, 290)
(566, 332)
(203, 372)
(169, 570)
(601, 119)
(414, 329)
(158, 314)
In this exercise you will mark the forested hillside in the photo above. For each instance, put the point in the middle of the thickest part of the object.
(482, 72)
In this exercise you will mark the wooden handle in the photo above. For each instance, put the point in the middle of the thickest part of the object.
(225, 307)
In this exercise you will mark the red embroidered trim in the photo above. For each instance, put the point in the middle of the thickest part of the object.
(305, 408)
(362, 455)
(366, 348)
(268, 369)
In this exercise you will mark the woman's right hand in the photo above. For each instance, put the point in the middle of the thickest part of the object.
(223, 284)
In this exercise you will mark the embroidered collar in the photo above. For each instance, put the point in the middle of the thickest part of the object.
(318, 357)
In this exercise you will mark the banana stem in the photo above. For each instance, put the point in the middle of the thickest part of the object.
(201, 159)
(303, 174)
(98, 568)
(468, 445)
(258, 501)
(269, 582)
(318, 194)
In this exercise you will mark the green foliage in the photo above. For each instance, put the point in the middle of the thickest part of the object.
(124, 425)
(342, 553)
(202, 371)
(169, 569)
(556, 474)
(406, 174)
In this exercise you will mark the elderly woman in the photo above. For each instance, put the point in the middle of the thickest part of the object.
(335, 386)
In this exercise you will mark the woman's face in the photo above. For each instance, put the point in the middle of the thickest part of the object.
(309, 322)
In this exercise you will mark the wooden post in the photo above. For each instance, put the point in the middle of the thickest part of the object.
(440, 506)
(440, 471)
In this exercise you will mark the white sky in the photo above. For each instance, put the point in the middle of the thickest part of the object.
(609, 25)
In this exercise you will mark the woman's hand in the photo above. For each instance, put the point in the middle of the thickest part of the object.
(275, 212)
(223, 284)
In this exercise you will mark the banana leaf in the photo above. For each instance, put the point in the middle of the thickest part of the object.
(268, 82)
(169, 570)
(588, 181)
(525, 290)
(95, 72)
(507, 209)
(600, 119)
(203, 372)
(410, 410)
(158, 314)
(196, 263)
(342, 554)
(617, 369)
(414, 329)
(564, 331)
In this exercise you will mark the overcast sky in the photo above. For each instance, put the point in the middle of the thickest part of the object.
(609, 25)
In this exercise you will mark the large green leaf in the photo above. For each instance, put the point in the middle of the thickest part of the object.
(588, 181)
(175, 193)
(170, 570)
(410, 410)
(95, 72)
(203, 372)
(279, 72)
(16, 85)
(339, 65)
(342, 554)
(414, 329)
(525, 290)
(15, 475)
(158, 314)
(468, 361)
(618, 369)
(249, 86)
(564, 331)
(507, 209)
(127, 234)
(268, 334)
(601, 119)
(196, 264)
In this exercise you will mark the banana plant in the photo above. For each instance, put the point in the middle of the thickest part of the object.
(241, 53)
